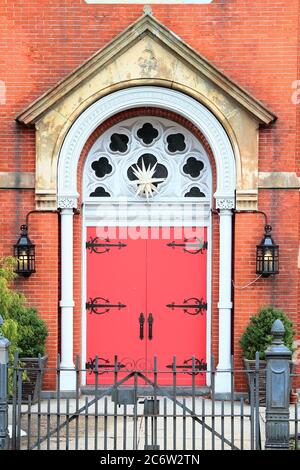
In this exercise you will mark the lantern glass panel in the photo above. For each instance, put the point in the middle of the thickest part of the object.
(267, 255)
(24, 252)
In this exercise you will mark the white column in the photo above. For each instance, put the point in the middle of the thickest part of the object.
(67, 378)
(223, 379)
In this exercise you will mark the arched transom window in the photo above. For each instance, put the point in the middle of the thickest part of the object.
(147, 159)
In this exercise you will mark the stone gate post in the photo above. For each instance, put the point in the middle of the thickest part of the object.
(4, 345)
(278, 380)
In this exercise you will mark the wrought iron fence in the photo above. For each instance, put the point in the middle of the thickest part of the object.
(294, 430)
(136, 411)
(139, 412)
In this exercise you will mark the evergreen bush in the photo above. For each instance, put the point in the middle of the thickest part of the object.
(257, 335)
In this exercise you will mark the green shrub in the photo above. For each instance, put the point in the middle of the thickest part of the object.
(32, 332)
(9, 299)
(257, 336)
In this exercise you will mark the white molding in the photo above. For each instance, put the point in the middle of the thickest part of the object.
(83, 296)
(131, 214)
(149, 96)
(210, 249)
(142, 2)
(68, 376)
(223, 379)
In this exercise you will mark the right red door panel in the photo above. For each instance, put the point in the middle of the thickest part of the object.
(176, 298)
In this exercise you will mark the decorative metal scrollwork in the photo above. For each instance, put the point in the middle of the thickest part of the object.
(189, 368)
(102, 245)
(190, 245)
(99, 305)
(192, 306)
(140, 364)
(102, 364)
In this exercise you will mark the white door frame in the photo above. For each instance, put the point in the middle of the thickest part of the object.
(70, 152)
(88, 221)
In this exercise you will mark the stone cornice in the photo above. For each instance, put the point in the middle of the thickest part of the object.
(278, 180)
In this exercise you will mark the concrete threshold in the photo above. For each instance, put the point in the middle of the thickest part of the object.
(144, 391)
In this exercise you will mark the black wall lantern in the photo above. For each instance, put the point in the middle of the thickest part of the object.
(24, 251)
(267, 255)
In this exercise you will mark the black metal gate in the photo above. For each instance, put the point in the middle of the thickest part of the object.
(136, 412)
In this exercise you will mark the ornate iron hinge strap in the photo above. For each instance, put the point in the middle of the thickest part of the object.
(188, 367)
(190, 245)
(100, 245)
(192, 306)
(102, 364)
(99, 305)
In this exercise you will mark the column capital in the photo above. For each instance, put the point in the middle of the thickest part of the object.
(225, 203)
(67, 202)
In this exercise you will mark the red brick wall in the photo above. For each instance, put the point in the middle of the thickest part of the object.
(280, 290)
(255, 43)
(41, 288)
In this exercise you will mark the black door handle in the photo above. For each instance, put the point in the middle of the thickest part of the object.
(150, 324)
(141, 322)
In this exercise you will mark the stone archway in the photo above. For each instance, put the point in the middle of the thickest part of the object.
(224, 196)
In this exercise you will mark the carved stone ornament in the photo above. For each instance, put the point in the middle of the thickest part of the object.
(225, 204)
(67, 202)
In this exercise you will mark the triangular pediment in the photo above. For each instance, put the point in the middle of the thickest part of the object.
(146, 52)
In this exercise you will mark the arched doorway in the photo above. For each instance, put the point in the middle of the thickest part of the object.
(224, 196)
(147, 188)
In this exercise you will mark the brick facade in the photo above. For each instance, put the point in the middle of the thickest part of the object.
(255, 43)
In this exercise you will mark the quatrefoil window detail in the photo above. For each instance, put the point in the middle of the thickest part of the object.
(147, 133)
(147, 158)
(100, 192)
(194, 192)
(176, 143)
(193, 167)
(102, 167)
(119, 143)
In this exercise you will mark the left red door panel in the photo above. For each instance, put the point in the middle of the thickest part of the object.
(116, 297)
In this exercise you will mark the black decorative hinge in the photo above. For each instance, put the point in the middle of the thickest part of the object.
(102, 245)
(99, 305)
(102, 364)
(189, 368)
(192, 306)
(190, 245)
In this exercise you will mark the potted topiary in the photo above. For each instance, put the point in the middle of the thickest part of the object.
(23, 327)
(257, 337)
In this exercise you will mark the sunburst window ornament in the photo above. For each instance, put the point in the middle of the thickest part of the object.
(145, 183)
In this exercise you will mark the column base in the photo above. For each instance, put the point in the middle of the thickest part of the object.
(223, 385)
(68, 379)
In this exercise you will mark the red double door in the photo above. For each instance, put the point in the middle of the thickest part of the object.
(146, 297)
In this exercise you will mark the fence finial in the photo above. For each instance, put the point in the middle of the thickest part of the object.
(278, 331)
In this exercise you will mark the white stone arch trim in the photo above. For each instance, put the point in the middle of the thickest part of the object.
(135, 97)
(69, 156)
